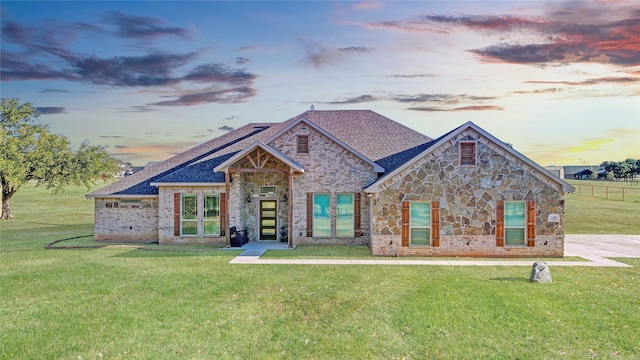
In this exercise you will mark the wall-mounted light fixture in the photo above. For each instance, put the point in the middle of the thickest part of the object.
(249, 198)
(284, 198)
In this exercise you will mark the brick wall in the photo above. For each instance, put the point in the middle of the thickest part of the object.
(126, 219)
(165, 216)
(328, 168)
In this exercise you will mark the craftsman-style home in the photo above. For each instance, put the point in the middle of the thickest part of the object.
(344, 177)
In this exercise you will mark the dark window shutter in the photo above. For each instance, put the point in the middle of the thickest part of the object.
(223, 214)
(176, 214)
(405, 223)
(531, 223)
(435, 223)
(500, 223)
(309, 214)
(356, 214)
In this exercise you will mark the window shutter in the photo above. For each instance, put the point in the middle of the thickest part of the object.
(176, 214)
(500, 223)
(356, 215)
(223, 214)
(435, 223)
(405, 223)
(531, 223)
(309, 214)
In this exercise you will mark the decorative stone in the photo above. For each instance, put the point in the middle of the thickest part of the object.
(540, 272)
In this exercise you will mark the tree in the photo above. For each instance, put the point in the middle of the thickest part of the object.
(30, 152)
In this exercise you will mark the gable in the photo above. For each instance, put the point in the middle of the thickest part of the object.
(258, 156)
(285, 140)
(468, 132)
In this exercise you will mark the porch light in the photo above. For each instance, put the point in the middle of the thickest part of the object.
(284, 198)
(249, 198)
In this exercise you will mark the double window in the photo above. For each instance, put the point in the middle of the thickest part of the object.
(320, 222)
(190, 222)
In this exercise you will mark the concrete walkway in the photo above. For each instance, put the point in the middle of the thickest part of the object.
(594, 248)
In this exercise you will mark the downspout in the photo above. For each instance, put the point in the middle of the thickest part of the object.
(227, 188)
(290, 227)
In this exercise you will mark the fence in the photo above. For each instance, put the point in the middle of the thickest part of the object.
(608, 192)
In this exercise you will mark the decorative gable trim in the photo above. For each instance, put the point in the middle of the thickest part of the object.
(377, 168)
(383, 182)
(224, 167)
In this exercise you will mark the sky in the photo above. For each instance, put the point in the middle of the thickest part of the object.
(559, 80)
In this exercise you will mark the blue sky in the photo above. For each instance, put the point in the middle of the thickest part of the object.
(148, 79)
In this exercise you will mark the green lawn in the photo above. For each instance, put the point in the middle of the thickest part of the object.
(598, 215)
(137, 304)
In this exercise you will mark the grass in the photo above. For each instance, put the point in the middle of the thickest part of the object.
(125, 303)
(594, 215)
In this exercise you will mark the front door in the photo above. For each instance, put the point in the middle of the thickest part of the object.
(268, 214)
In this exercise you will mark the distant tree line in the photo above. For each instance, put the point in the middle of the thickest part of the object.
(627, 170)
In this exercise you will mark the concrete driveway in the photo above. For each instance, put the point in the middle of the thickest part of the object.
(598, 247)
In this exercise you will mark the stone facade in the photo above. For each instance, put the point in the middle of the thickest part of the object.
(126, 219)
(467, 197)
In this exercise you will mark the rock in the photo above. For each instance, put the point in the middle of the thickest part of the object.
(540, 272)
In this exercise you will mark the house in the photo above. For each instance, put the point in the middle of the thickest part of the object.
(344, 177)
(572, 171)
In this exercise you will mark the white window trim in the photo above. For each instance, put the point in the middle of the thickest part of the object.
(428, 227)
(204, 218)
(315, 233)
(353, 216)
(182, 220)
(523, 227)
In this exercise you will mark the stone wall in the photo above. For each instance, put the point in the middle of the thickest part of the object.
(328, 168)
(250, 211)
(467, 196)
(126, 219)
(165, 215)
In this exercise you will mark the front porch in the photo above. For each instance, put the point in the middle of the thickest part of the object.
(259, 188)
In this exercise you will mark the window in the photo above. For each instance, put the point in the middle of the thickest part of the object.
(344, 215)
(468, 153)
(211, 215)
(189, 214)
(267, 190)
(514, 222)
(321, 215)
(420, 223)
(303, 144)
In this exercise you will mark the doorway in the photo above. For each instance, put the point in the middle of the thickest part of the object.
(268, 219)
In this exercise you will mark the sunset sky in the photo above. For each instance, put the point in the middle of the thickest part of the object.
(558, 80)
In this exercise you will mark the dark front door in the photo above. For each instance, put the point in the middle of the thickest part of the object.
(268, 214)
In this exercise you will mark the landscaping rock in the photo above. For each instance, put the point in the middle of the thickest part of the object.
(540, 272)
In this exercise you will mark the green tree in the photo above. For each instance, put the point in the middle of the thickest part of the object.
(30, 152)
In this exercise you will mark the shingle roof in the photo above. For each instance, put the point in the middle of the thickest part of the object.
(199, 172)
(371, 134)
(139, 183)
